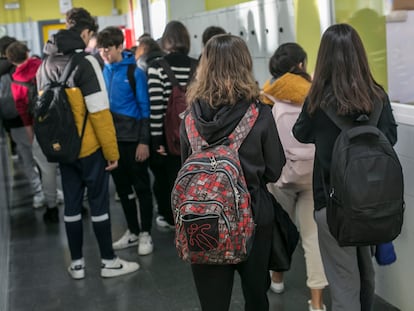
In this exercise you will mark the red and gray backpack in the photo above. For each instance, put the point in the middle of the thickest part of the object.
(210, 200)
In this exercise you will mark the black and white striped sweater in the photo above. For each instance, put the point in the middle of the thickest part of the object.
(159, 88)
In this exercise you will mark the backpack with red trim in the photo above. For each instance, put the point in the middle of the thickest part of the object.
(210, 199)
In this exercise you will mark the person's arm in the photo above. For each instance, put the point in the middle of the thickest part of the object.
(158, 106)
(387, 124)
(302, 130)
(184, 142)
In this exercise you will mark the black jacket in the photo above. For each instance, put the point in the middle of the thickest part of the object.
(318, 129)
(261, 154)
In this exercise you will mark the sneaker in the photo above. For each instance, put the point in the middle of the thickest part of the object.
(117, 267)
(161, 222)
(39, 200)
(59, 197)
(145, 246)
(77, 269)
(127, 240)
(51, 215)
(312, 309)
(276, 287)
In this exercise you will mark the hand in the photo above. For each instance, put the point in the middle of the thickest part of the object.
(111, 165)
(161, 150)
(141, 153)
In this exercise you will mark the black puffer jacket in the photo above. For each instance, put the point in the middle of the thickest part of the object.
(261, 154)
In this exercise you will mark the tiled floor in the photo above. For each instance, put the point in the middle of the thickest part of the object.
(39, 281)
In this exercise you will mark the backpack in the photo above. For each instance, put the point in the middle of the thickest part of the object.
(31, 93)
(366, 193)
(54, 124)
(175, 108)
(8, 109)
(210, 199)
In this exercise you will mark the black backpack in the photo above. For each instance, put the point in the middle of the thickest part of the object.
(366, 193)
(54, 123)
(8, 109)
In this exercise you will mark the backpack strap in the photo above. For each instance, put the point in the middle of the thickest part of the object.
(131, 78)
(170, 74)
(234, 140)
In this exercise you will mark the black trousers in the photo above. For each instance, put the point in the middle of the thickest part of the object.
(132, 175)
(214, 283)
(164, 169)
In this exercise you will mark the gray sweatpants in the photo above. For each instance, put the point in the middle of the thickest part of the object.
(349, 270)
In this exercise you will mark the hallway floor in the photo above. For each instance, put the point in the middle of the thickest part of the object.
(39, 280)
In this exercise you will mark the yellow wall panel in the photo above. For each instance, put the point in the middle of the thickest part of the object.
(217, 4)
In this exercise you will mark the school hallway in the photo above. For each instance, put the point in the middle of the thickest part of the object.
(39, 257)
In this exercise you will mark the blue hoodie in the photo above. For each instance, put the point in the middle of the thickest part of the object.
(130, 112)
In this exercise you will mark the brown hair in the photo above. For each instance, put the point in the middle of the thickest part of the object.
(16, 52)
(224, 75)
(176, 38)
(342, 76)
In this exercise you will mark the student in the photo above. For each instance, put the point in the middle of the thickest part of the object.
(147, 51)
(18, 130)
(220, 95)
(164, 165)
(343, 81)
(288, 89)
(211, 31)
(26, 68)
(99, 151)
(130, 111)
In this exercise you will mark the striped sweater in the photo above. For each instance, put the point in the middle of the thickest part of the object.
(159, 88)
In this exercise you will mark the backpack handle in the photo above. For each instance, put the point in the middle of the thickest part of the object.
(356, 131)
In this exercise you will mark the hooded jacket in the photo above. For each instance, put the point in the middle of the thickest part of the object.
(261, 154)
(25, 72)
(130, 110)
(86, 92)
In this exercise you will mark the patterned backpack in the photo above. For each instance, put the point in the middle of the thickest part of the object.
(210, 200)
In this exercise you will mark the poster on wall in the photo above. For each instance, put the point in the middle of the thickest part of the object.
(65, 5)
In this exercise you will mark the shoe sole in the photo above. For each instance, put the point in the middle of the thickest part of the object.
(141, 253)
(76, 275)
(117, 248)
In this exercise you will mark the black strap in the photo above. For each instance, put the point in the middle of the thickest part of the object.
(171, 76)
(131, 78)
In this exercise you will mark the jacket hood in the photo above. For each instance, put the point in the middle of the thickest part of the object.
(27, 71)
(215, 123)
(288, 88)
(5, 66)
(64, 42)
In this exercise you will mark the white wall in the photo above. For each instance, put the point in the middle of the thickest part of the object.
(395, 283)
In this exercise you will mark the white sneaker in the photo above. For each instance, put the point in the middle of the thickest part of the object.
(161, 222)
(59, 197)
(312, 309)
(117, 267)
(77, 269)
(39, 200)
(145, 246)
(277, 288)
(127, 240)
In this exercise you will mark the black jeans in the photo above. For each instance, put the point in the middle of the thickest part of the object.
(132, 175)
(165, 169)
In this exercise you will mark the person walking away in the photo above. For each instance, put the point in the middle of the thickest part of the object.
(342, 82)
(287, 89)
(129, 105)
(26, 68)
(163, 163)
(222, 92)
(99, 151)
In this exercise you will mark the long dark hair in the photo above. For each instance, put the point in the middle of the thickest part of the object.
(286, 59)
(342, 76)
(176, 38)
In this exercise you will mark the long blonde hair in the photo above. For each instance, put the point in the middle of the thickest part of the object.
(224, 75)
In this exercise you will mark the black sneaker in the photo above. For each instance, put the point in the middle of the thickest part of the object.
(51, 215)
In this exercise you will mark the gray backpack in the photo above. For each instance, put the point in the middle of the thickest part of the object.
(8, 109)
